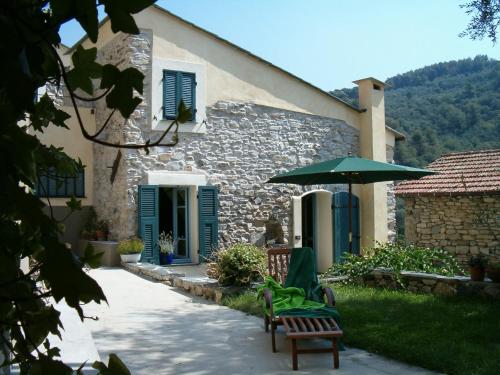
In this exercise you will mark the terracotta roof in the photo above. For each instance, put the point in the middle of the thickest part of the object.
(473, 172)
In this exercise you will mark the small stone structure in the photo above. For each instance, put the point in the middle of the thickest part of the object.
(459, 208)
(198, 286)
(433, 284)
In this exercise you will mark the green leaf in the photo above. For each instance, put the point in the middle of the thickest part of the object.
(46, 365)
(185, 113)
(121, 96)
(84, 69)
(46, 113)
(92, 258)
(74, 204)
(84, 11)
(120, 11)
(115, 366)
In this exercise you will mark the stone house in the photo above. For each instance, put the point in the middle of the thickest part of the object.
(251, 120)
(457, 209)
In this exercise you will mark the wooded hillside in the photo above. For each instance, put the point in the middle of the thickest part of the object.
(441, 108)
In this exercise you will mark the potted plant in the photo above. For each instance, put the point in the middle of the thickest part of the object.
(102, 230)
(477, 267)
(130, 250)
(493, 272)
(166, 244)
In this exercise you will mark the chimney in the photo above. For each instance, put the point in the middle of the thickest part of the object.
(372, 129)
(372, 145)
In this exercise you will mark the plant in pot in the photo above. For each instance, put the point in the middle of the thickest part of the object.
(130, 250)
(477, 267)
(493, 272)
(166, 244)
(102, 230)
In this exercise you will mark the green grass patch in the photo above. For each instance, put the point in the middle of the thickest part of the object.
(452, 335)
(246, 302)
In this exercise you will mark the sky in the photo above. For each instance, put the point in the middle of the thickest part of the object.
(331, 43)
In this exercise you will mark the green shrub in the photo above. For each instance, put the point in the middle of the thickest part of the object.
(132, 245)
(238, 265)
(397, 257)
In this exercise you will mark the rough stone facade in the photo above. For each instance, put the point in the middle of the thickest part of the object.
(463, 225)
(244, 145)
(391, 200)
(433, 284)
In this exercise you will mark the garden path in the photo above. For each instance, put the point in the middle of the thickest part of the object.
(157, 330)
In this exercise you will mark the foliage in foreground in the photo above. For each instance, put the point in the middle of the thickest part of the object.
(30, 60)
(397, 257)
(238, 265)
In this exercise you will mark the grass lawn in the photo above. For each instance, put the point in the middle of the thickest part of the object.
(451, 335)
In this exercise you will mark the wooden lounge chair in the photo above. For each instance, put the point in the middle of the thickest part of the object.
(307, 328)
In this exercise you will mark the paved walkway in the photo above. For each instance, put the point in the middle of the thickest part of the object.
(156, 330)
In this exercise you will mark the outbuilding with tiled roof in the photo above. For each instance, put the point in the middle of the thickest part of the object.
(458, 208)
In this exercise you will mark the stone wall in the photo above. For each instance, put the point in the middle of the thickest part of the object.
(433, 284)
(391, 200)
(246, 144)
(116, 201)
(463, 225)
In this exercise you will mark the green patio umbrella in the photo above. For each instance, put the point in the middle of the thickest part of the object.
(349, 170)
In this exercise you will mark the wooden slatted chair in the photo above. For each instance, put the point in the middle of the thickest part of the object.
(278, 261)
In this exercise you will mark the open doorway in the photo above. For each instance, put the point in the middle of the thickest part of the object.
(309, 221)
(174, 220)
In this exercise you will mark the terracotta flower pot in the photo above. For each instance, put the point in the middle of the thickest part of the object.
(493, 274)
(100, 235)
(477, 273)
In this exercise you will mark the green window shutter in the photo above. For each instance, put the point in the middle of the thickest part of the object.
(208, 221)
(149, 222)
(171, 98)
(340, 211)
(188, 91)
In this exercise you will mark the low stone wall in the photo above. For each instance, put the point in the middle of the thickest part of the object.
(433, 284)
(198, 286)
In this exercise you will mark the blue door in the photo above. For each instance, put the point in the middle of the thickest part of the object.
(148, 222)
(340, 212)
(208, 222)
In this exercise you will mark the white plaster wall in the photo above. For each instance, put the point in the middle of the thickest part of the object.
(324, 229)
(233, 74)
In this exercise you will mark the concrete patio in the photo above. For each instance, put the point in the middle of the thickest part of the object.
(157, 330)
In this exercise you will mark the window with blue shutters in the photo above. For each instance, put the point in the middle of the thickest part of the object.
(178, 86)
(59, 185)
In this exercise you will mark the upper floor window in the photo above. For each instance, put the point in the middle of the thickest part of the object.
(53, 185)
(178, 86)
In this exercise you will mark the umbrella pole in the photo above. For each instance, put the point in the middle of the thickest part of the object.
(350, 218)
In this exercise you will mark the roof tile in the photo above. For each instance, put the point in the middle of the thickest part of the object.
(473, 172)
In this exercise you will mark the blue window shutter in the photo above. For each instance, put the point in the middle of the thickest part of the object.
(171, 98)
(149, 222)
(208, 204)
(340, 211)
(188, 90)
